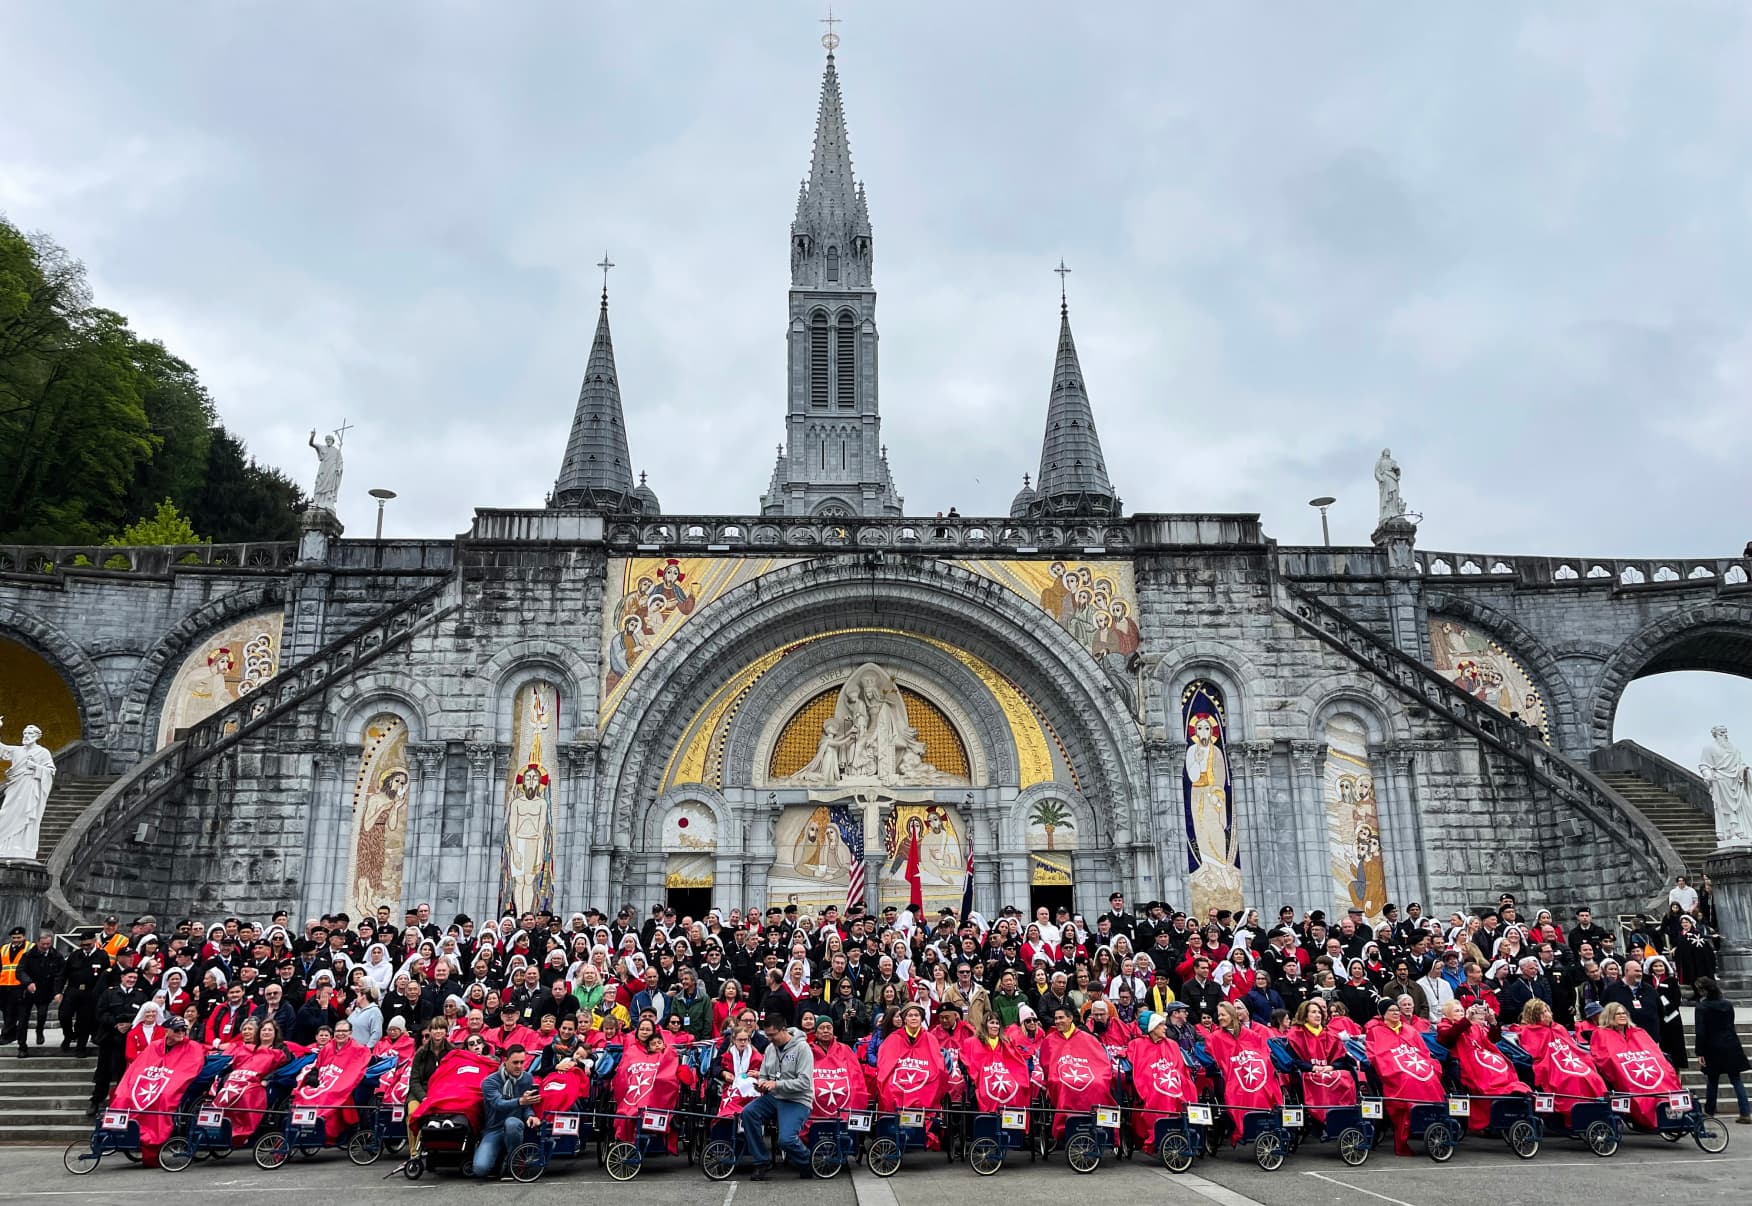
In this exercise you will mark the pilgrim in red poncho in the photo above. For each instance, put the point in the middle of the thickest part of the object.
(1631, 1062)
(1561, 1066)
(328, 1086)
(997, 1071)
(647, 1079)
(839, 1082)
(1243, 1059)
(909, 1071)
(1078, 1074)
(562, 1090)
(1484, 1071)
(1162, 1081)
(455, 1088)
(242, 1093)
(1325, 1083)
(393, 1088)
(1407, 1072)
(153, 1087)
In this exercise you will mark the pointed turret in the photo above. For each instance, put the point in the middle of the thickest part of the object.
(1073, 473)
(830, 236)
(597, 474)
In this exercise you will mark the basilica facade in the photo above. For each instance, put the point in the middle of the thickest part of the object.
(820, 701)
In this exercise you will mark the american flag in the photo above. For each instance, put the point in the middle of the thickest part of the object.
(851, 830)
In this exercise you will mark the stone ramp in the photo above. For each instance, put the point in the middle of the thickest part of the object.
(1692, 832)
(72, 795)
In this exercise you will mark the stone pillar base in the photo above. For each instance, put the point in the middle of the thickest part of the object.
(24, 883)
(317, 530)
(1730, 876)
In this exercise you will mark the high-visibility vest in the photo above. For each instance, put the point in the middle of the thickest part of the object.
(9, 957)
(112, 946)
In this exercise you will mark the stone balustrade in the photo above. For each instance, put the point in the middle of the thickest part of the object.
(1722, 573)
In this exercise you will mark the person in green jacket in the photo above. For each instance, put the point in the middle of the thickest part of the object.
(1008, 1000)
(693, 1005)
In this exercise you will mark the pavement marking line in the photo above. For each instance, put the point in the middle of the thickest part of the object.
(872, 1190)
(1222, 1195)
(1355, 1188)
(730, 1194)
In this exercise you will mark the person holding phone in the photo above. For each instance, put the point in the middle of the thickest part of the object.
(510, 1099)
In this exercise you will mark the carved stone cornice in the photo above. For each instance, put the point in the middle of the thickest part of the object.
(1307, 755)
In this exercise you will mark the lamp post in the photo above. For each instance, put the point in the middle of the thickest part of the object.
(1323, 502)
(382, 496)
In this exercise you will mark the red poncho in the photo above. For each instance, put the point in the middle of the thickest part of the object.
(1484, 1071)
(242, 1093)
(839, 1082)
(1163, 1083)
(455, 1087)
(1117, 1037)
(1019, 1038)
(328, 1086)
(393, 1088)
(1244, 1061)
(1560, 1066)
(530, 1040)
(1324, 1086)
(560, 1091)
(1078, 1073)
(646, 1080)
(909, 1071)
(1403, 1063)
(1631, 1062)
(153, 1087)
(999, 1074)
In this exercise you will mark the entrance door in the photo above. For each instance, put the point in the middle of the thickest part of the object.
(690, 902)
(1053, 896)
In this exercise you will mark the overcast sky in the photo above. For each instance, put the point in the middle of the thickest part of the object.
(1510, 241)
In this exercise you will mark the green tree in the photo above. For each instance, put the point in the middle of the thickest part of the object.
(240, 500)
(1051, 815)
(181, 417)
(166, 525)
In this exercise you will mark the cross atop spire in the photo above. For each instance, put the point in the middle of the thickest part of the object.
(830, 39)
(605, 264)
(1064, 306)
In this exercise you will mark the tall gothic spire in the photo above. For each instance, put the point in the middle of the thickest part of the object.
(597, 474)
(830, 236)
(1073, 474)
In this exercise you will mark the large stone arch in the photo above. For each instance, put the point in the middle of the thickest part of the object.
(507, 670)
(152, 677)
(355, 702)
(1014, 827)
(731, 838)
(64, 655)
(1229, 668)
(1536, 657)
(1710, 636)
(924, 596)
(1369, 698)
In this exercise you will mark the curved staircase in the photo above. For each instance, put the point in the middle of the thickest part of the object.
(72, 795)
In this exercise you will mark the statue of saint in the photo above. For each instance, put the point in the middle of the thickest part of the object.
(1387, 481)
(868, 739)
(328, 474)
(28, 782)
(1730, 787)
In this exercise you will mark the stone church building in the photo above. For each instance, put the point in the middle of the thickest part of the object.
(600, 702)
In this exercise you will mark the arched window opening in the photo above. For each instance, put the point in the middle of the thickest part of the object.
(848, 362)
(818, 377)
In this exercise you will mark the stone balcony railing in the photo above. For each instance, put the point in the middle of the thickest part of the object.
(1725, 573)
(157, 561)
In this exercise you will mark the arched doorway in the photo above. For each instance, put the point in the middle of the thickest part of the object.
(32, 691)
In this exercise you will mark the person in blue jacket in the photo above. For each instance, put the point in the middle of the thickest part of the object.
(510, 1098)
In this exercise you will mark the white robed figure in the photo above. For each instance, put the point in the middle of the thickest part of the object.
(1730, 788)
(28, 783)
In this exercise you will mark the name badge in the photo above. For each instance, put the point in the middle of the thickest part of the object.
(858, 1120)
(1292, 1115)
(1372, 1107)
(1459, 1107)
(1014, 1120)
(208, 1117)
(397, 1113)
(565, 1124)
(116, 1120)
(912, 1118)
(1199, 1115)
(655, 1120)
(1680, 1103)
(1621, 1105)
(1106, 1117)
(304, 1116)
(1544, 1103)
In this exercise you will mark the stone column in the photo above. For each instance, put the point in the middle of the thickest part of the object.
(1250, 802)
(1308, 825)
(422, 869)
(1398, 539)
(1165, 760)
(328, 833)
(1730, 876)
(1402, 852)
(573, 814)
(1013, 881)
(481, 820)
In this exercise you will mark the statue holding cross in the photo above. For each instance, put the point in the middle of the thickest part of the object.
(328, 473)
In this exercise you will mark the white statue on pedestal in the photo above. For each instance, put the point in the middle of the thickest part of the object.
(328, 474)
(1730, 787)
(28, 781)
(1387, 481)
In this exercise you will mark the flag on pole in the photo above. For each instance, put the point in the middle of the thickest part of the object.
(851, 830)
(967, 884)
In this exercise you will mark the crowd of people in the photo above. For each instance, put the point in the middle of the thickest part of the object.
(776, 989)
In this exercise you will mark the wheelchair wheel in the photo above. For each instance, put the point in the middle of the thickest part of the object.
(220, 1153)
(81, 1157)
(525, 1163)
(1672, 1136)
(1176, 1152)
(1524, 1139)
(415, 1168)
(1439, 1142)
(364, 1148)
(883, 1158)
(718, 1160)
(175, 1155)
(1711, 1135)
(824, 1158)
(272, 1150)
(1353, 1146)
(1602, 1138)
(621, 1161)
(131, 1155)
(985, 1156)
(1083, 1153)
(1268, 1150)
